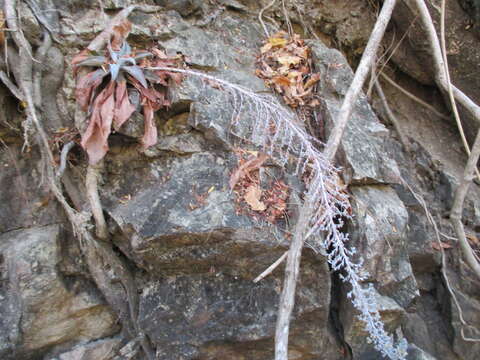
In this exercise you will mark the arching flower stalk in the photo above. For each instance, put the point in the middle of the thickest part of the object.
(281, 135)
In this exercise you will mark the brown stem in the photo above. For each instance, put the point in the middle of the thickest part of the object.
(355, 88)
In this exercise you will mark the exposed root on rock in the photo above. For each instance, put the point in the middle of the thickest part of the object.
(99, 254)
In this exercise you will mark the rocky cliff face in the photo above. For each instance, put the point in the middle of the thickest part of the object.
(192, 265)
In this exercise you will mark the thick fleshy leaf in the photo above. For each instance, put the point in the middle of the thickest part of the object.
(93, 61)
(95, 138)
(113, 54)
(123, 107)
(114, 70)
(125, 60)
(126, 49)
(86, 85)
(150, 133)
(151, 76)
(137, 73)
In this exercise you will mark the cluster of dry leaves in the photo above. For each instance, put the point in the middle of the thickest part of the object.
(268, 204)
(285, 64)
(104, 93)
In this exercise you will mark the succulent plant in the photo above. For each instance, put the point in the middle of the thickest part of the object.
(103, 92)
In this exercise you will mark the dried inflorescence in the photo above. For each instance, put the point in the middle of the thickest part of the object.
(290, 146)
(104, 91)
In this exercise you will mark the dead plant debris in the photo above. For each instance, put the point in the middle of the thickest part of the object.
(269, 204)
(104, 91)
(285, 64)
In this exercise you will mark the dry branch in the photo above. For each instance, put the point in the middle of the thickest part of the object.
(368, 58)
(292, 268)
(442, 79)
(95, 252)
(272, 267)
(413, 97)
(403, 138)
(440, 75)
(457, 208)
(432, 221)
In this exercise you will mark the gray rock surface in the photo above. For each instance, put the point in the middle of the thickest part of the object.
(172, 216)
(39, 310)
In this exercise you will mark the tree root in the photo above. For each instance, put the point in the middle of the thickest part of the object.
(98, 254)
(443, 80)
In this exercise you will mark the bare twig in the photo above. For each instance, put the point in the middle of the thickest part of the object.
(442, 78)
(260, 17)
(101, 40)
(355, 88)
(432, 221)
(39, 67)
(392, 117)
(287, 297)
(287, 18)
(272, 267)
(91, 183)
(457, 208)
(440, 75)
(449, 83)
(413, 97)
(11, 86)
(63, 158)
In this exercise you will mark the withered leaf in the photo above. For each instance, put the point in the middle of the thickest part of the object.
(86, 85)
(312, 81)
(288, 60)
(94, 140)
(277, 41)
(123, 107)
(281, 80)
(437, 246)
(245, 168)
(150, 130)
(252, 198)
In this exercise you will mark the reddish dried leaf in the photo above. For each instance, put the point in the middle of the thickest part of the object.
(252, 198)
(94, 140)
(281, 80)
(120, 33)
(150, 130)
(443, 245)
(312, 81)
(246, 167)
(123, 107)
(86, 86)
(82, 55)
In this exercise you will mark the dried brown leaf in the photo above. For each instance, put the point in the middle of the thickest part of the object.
(123, 107)
(250, 165)
(289, 60)
(95, 138)
(252, 198)
(443, 245)
(150, 130)
(120, 32)
(312, 81)
(281, 80)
